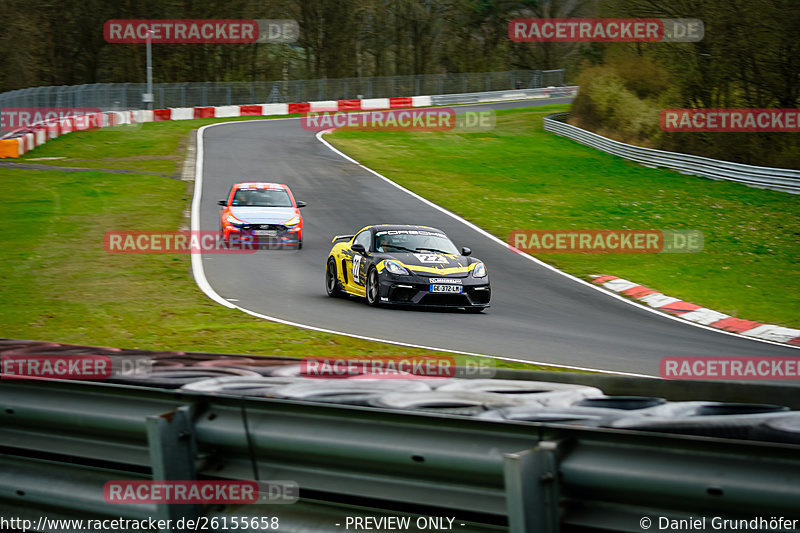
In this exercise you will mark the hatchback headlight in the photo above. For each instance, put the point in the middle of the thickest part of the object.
(234, 221)
(479, 271)
(295, 220)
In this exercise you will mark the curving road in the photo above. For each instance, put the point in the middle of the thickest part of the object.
(536, 314)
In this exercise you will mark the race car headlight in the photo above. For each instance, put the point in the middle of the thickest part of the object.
(234, 221)
(395, 268)
(479, 271)
(295, 220)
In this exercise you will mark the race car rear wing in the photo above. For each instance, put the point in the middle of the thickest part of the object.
(340, 237)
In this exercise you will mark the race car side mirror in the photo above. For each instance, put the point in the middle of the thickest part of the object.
(359, 248)
(301, 204)
(222, 202)
(465, 251)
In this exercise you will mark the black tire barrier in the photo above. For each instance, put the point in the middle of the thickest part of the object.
(785, 429)
(265, 367)
(545, 393)
(225, 362)
(575, 416)
(352, 392)
(240, 385)
(176, 378)
(498, 400)
(626, 403)
(465, 403)
(293, 371)
(728, 426)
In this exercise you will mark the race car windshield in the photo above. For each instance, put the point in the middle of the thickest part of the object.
(403, 242)
(262, 198)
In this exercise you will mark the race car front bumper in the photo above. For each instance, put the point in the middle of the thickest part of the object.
(419, 291)
(263, 236)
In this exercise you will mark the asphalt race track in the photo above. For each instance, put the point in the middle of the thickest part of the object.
(536, 314)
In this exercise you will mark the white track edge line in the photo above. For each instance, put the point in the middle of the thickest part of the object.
(198, 273)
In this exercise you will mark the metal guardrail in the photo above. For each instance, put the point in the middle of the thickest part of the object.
(497, 96)
(62, 441)
(128, 96)
(778, 179)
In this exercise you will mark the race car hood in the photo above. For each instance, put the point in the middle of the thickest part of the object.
(436, 265)
(263, 215)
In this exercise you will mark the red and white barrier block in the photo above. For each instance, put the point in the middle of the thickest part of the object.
(698, 314)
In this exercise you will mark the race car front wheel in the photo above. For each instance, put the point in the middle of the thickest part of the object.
(373, 296)
(331, 281)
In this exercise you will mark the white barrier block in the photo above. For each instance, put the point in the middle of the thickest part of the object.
(704, 316)
(182, 113)
(21, 145)
(66, 125)
(227, 111)
(375, 103)
(421, 101)
(143, 115)
(771, 332)
(275, 109)
(41, 137)
(324, 105)
(30, 141)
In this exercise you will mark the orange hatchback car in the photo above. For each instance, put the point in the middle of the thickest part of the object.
(265, 214)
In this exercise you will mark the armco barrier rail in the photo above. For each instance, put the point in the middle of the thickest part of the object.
(779, 179)
(62, 441)
(21, 141)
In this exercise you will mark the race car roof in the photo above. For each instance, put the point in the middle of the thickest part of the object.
(259, 185)
(395, 227)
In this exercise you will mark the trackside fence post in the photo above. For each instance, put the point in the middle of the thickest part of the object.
(532, 489)
(172, 445)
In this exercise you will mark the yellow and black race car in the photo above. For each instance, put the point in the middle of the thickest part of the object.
(406, 265)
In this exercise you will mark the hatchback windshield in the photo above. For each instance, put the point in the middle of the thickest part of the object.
(262, 198)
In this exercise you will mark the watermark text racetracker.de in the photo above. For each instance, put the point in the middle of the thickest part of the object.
(396, 367)
(25, 366)
(606, 241)
(13, 118)
(177, 242)
(730, 368)
(730, 120)
(227, 492)
(427, 119)
(600, 30)
(201, 31)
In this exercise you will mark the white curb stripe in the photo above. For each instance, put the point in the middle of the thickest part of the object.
(704, 316)
(772, 332)
(619, 285)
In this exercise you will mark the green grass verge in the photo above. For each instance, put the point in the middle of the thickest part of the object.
(518, 176)
(60, 285)
(152, 146)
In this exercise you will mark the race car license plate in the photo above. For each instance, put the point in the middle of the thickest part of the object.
(438, 287)
(265, 232)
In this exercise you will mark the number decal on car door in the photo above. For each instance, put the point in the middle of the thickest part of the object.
(356, 267)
